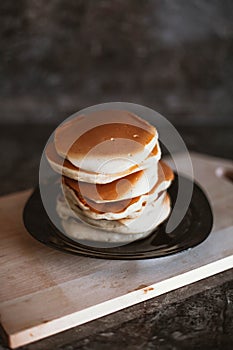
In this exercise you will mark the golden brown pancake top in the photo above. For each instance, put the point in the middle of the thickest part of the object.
(82, 134)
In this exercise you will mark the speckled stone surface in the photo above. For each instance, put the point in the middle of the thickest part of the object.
(199, 316)
(59, 56)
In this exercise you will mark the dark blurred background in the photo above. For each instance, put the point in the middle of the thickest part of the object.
(59, 56)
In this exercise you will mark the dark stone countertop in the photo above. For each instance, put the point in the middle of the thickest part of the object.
(59, 56)
(198, 316)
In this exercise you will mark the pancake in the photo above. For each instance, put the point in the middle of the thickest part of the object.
(105, 140)
(114, 184)
(126, 187)
(66, 168)
(118, 209)
(152, 215)
(77, 230)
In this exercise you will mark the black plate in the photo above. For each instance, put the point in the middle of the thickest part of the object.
(194, 229)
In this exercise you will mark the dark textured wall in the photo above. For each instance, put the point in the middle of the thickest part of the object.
(58, 56)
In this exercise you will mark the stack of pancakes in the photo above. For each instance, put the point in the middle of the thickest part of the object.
(112, 176)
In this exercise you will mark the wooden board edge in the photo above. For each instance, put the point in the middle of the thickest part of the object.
(78, 318)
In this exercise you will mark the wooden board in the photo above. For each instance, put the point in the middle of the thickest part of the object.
(44, 291)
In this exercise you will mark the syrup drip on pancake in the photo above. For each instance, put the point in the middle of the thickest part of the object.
(110, 190)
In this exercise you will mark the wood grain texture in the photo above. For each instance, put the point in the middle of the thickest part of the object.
(44, 291)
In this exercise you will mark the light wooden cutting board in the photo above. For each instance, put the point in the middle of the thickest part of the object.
(44, 291)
